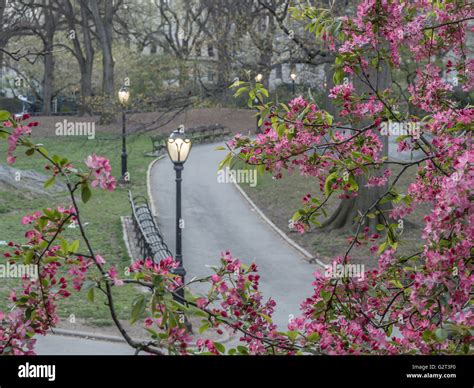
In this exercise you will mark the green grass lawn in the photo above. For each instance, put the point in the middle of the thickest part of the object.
(279, 199)
(102, 213)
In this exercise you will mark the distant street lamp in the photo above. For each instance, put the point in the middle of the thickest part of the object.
(257, 128)
(258, 78)
(179, 146)
(124, 96)
(293, 78)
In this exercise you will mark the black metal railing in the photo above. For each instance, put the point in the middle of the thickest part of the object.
(148, 237)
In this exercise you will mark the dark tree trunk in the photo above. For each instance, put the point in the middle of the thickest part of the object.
(223, 65)
(86, 69)
(266, 52)
(103, 25)
(48, 60)
(48, 80)
(347, 214)
(2, 39)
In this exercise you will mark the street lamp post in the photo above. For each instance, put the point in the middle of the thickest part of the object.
(178, 146)
(123, 96)
(293, 78)
(257, 128)
(258, 79)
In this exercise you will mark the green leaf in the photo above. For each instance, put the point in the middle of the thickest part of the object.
(28, 257)
(325, 295)
(281, 128)
(4, 115)
(297, 215)
(138, 306)
(338, 76)
(86, 193)
(382, 247)
(74, 246)
(242, 349)
(90, 295)
(327, 184)
(42, 222)
(43, 151)
(64, 246)
(441, 334)
(226, 161)
(266, 317)
(203, 328)
(373, 293)
(50, 182)
(219, 347)
(292, 335)
(328, 119)
(240, 91)
(313, 337)
(56, 159)
(427, 334)
(353, 183)
(396, 283)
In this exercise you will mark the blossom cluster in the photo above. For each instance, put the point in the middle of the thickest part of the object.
(17, 131)
(101, 171)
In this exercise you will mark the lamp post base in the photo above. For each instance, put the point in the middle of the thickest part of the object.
(181, 272)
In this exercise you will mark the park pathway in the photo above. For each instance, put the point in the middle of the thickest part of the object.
(65, 345)
(217, 218)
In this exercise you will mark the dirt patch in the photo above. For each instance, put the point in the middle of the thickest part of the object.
(237, 120)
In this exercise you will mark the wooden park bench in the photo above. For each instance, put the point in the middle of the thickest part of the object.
(199, 135)
(159, 143)
(148, 236)
(209, 133)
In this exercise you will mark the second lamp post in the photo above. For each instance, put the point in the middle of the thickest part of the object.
(258, 79)
(123, 96)
(293, 79)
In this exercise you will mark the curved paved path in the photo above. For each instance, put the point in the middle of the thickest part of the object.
(218, 218)
(63, 345)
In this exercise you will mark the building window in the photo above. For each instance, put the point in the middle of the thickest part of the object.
(210, 50)
(279, 72)
(210, 76)
(198, 49)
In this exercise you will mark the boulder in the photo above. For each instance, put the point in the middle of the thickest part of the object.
(27, 181)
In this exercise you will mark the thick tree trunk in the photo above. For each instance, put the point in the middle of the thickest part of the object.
(3, 41)
(223, 64)
(48, 79)
(183, 75)
(348, 213)
(48, 61)
(104, 31)
(85, 59)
